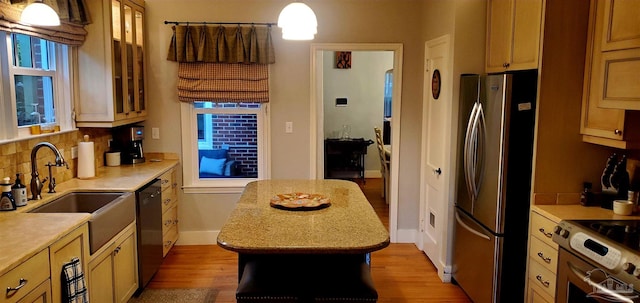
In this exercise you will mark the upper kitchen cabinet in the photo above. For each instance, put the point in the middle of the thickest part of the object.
(611, 75)
(616, 55)
(111, 90)
(513, 34)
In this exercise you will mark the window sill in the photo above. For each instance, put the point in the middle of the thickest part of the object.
(217, 187)
(29, 137)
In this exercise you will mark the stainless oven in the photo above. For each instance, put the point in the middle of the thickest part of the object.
(599, 261)
(582, 282)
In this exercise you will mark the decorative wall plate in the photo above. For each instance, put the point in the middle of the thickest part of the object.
(300, 201)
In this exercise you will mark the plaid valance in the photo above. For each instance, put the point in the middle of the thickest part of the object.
(223, 82)
(220, 44)
(73, 17)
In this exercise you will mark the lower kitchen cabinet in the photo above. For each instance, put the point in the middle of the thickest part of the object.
(75, 244)
(543, 260)
(169, 210)
(113, 274)
(41, 294)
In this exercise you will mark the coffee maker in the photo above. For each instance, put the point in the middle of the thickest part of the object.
(128, 139)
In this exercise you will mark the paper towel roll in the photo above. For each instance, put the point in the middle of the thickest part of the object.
(86, 159)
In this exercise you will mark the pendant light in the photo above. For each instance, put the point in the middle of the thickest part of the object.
(38, 13)
(298, 22)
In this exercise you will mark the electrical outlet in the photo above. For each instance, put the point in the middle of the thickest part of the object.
(74, 152)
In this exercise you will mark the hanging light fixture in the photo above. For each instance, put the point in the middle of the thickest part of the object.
(298, 22)
(38, 13)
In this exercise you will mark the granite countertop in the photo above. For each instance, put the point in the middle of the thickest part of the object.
(123, 178)
(579, 212)
(24, 234)
(349, 225)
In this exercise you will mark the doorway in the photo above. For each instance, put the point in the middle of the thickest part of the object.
(317, 118)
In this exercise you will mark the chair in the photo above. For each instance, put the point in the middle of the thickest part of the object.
(384, 164)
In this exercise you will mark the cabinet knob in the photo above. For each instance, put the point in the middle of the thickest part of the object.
(506, 65)
(617, 132)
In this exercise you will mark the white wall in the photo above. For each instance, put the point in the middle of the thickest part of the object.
(410, 22)
(363, 86)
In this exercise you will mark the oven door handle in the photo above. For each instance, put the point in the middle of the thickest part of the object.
(600, 289)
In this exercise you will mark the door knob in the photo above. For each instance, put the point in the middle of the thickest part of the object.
(437, 171)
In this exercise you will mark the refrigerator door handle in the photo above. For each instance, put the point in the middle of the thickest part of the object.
(471, 230)
(473, 153)
(467, 155)
(481, 137)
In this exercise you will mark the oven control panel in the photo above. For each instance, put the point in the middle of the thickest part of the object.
(595, 250)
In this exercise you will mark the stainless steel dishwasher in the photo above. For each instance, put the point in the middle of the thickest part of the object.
(149, 227)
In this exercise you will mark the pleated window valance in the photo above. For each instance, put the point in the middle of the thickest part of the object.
(73, 17)
(222, 64)
(220, 44)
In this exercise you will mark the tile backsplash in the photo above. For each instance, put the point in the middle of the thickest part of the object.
(15, 157)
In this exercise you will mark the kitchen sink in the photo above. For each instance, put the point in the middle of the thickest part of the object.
(110, 212)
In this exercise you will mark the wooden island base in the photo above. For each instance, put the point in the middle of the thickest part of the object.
(302, 278)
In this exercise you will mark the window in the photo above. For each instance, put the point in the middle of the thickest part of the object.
(36, 85)
(225, 145)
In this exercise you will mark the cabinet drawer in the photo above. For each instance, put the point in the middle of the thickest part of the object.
(169, 239)
(169, 199)
(168, 180)
(169, 219)
(540, 276)
(544, 254)
(536, 293)
(542, 228)
(31, 272)
(42, 294)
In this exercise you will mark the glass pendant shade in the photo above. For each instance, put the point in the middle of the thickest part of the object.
(38, 13)
(298, 22)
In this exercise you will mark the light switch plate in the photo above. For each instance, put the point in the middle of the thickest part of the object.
(74, 152)
(155, 133)
(288, 127)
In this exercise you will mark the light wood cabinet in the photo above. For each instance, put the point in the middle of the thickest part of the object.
(611, 77)
(113, 270)
(24, 278)
(169, 185)
(75, 244)
(111, 77)
(41, 294)
(543, 260)
(513, 34)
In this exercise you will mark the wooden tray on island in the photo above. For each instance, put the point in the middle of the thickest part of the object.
(300, 201)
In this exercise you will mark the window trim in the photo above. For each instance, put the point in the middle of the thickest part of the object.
(191, 182)
(63, 87)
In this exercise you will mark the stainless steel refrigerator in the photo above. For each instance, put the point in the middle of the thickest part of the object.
(495, 148)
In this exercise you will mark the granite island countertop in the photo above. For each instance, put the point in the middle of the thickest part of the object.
(24, 234)
(349, 225)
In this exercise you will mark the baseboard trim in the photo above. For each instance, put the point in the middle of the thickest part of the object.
(209, 237)
(372, 174)
(407, 236)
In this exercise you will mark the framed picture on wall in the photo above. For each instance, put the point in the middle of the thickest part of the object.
(343, 60)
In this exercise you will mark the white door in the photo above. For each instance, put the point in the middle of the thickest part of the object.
(436, 154)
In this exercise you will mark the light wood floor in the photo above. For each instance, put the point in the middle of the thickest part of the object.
(400, 272)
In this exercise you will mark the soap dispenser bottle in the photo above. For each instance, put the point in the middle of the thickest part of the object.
(6, 199)
(19, 192)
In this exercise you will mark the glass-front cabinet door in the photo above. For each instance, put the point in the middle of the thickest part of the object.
(128, 54)
(111, 97)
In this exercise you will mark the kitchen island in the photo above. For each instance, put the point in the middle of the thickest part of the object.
(322, 254)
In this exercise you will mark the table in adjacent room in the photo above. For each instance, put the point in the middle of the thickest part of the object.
(304, 256)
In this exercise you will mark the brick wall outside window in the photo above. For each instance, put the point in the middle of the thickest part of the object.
(239, 132)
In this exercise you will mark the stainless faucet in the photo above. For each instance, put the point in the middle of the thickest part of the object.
(36, 184)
